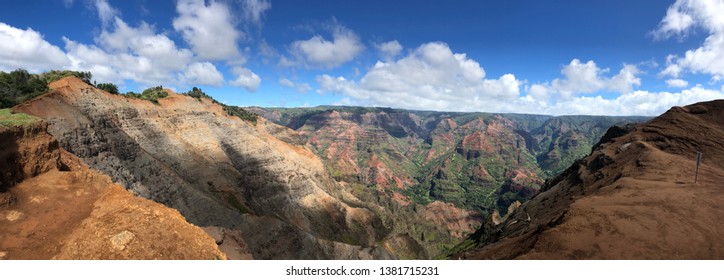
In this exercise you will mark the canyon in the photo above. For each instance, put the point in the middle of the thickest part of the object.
(350, 182)
(477, 161)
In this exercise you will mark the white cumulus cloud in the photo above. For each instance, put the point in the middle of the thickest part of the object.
(636, 103)
(208, 29)
(286, 82)
(389, 50)
(564, 96)
(144, 42)
(300, 87)
(202, 73)
(27, 49)
(677, 83)
(318, 52)
(105, 11)
(124, 52)
(246, 79)
(431, 77)
(675, 23)
(682, 18)
(625, 80)
(254, 10)
(585, 78)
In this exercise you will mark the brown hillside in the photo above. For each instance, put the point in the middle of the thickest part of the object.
(55, 207)
(273, 198)
(633, 197)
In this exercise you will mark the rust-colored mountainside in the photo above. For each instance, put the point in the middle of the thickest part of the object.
(258, 196)
(52, 206)
(633, 197)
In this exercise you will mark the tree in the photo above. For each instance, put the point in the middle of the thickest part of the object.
(229, 109)
(19, 86)
(150, 94)
(109, 87)
(54, 75)
(198, 94)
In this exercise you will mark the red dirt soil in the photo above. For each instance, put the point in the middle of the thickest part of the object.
(78, 213)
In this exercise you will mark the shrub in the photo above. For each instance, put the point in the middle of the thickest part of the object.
(19, 86)
(240, 113)
(151, 94)
(54, 75)
(229, 109)
(109, 87)
(198, 94)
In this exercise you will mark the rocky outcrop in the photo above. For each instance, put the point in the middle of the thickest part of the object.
(633, 197)
(217, 170)
(60, 209)
(27, 151)
(230, 242)
(459, 222)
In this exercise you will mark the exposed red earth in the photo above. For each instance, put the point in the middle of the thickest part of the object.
(633, 197)
(52, 206)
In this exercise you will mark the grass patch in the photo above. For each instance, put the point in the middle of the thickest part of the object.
(7, 118)
(231, 199)
(348, 238)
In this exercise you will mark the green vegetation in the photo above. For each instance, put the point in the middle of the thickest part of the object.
(559, 147)
(109, 87)
(198, 94)
(54, 75)
(229, 109)
(19, 86)
(508, 165)
(240, 113)
(231, 199)
(348, 238)
(154, 94)
(151, 94)
(7, 118)
(402, 220)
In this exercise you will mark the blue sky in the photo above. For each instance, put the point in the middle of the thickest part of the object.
(550, 57)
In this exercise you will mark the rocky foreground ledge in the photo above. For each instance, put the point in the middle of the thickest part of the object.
(52, 206)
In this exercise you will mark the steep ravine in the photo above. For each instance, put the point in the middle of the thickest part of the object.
(476, 161)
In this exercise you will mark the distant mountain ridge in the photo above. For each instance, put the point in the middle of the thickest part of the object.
(479, 161)
(369, 183)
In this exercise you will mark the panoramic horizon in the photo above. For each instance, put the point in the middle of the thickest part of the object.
(362, 130)
(572, 58)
